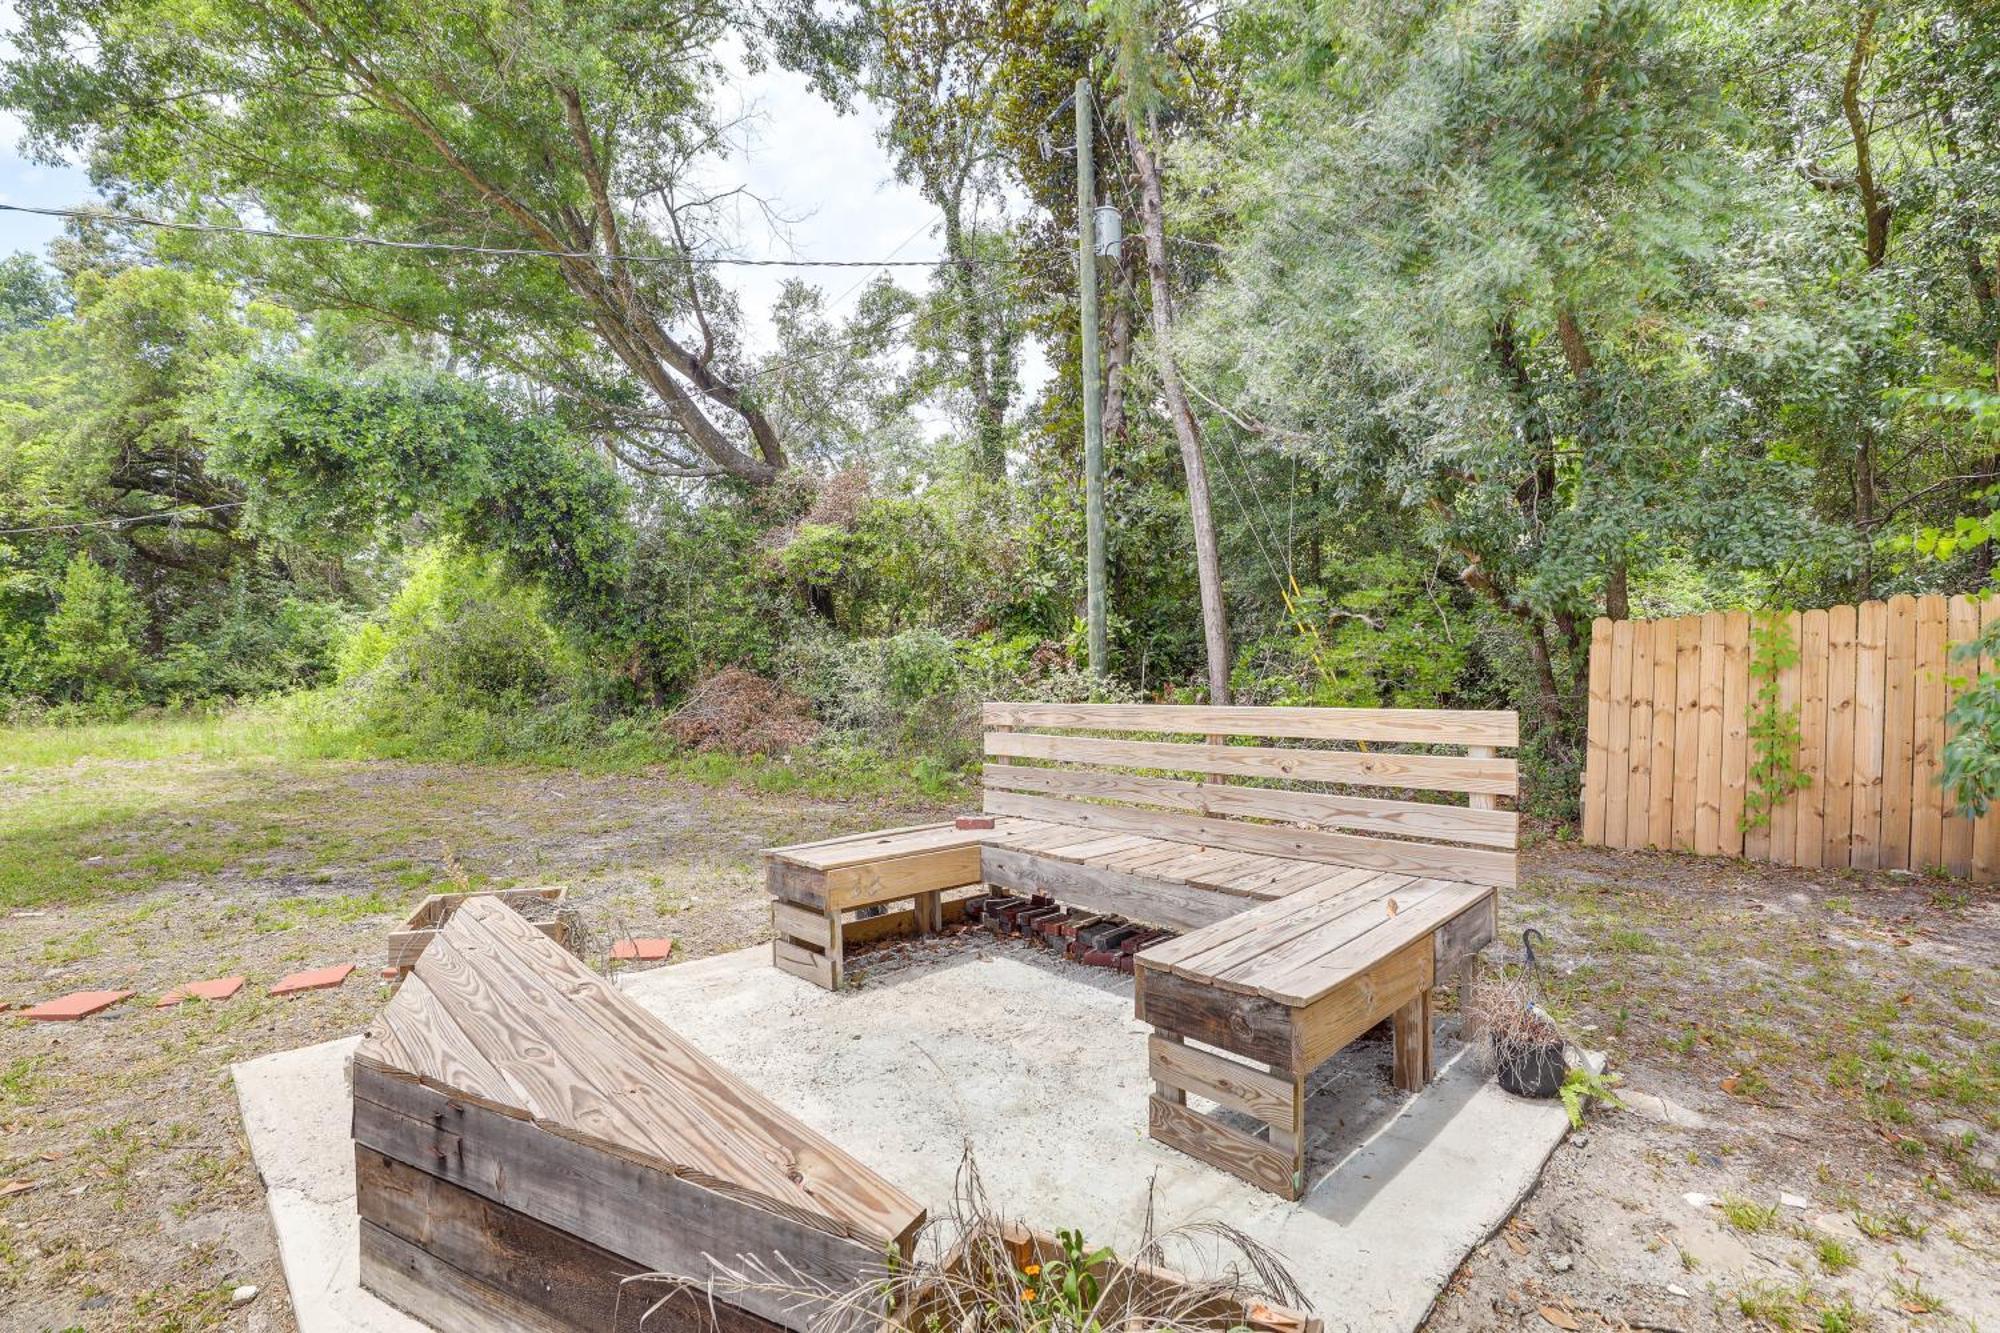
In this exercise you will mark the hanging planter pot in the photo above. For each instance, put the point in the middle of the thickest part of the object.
(1532, 1070)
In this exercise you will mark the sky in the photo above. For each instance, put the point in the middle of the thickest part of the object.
(824, 172)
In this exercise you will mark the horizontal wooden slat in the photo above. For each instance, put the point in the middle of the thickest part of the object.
(1249, 1025)
(1202, 1137)
(1415, 772)
(1345, 1012)
(1223, 1081)
(662, 1220)
(1161, 903)
(798, 923)
(1470, 864)
(1414, 819)
(1433, 726)
(803, 963)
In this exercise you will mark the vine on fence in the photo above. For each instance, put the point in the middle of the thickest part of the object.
(1774, 729)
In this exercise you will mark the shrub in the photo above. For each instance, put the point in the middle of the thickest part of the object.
(93, 642)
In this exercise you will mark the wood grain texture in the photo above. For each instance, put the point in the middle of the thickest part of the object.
(1927, 736)
(1687, 730)
(1986, 830)
(1871, 622)
(1224, 1081)
(1474, 865)
(1639, 769)
(1247, 1025)
(1837, 806)
(486, 1248)
(1899, 698)
(662, 1221)
(1412, 819)
(1618, 745)
(1809, 844)
(1708, 739)
(1666, 693)
(1162, 903)
(589, 1063)
(1367, 768)
(1433, 726)
(1206, 1139)
(1596, 761)
(1735, 729)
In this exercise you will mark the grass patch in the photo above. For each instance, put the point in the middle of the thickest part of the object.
(1749, 1217)
(1835, 1255)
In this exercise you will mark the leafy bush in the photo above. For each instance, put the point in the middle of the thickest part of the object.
(93, 643)
(462, 662)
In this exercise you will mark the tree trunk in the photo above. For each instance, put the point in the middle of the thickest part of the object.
(989, 407)
(1118, 353)
(1207, 557)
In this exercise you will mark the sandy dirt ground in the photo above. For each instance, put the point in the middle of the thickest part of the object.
(1811, 1059)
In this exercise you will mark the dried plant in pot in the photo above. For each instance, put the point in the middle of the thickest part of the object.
(1521, 1041)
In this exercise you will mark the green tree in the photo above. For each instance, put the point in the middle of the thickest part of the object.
(576, 126)
(92, 643)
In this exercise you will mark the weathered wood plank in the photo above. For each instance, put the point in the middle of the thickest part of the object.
(533, 1267)
(1248, 1025)
(1639, 764)
(1208, 1140)
(661, 1220)
(1412, 819)
(818, 968)
(1224, 1081)
(1687, 730)
(596, 1065)
(1437, 726)
(1474, 865)
(1368, 997)
(1367, 768)
(798, 924)
(1666, 692)
(1165, 904)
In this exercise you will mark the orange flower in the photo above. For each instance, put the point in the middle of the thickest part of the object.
(1028, 1295)
(1032, 1270)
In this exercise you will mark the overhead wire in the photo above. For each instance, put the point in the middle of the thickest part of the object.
(494, 251)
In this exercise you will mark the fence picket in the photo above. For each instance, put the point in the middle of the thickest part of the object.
(1668, 752)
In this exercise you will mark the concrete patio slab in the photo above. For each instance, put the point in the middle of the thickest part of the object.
(1041, 1068)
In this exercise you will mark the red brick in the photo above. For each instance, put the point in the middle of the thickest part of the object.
(643, 951)
(973, 821)
(320, 978)
(220, 988)
(77, 1004)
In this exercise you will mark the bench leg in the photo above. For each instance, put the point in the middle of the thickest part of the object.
(1413, 1043)
(930, 912)
(806, 942)
(1276, 1097)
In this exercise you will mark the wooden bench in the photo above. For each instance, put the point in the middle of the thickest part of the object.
(528, 1138)
(1307, 911)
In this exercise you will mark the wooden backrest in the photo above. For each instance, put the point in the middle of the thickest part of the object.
(1291, 780)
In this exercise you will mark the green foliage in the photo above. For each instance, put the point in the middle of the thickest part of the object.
(461, 662)
(337, 459)
(91, 644)
(1774, 729)
(1580, 1087)
(1063, 1292)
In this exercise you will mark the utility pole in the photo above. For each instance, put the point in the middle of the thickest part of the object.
(1093, 409)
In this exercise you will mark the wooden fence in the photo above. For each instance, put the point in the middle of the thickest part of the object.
(1670, 751)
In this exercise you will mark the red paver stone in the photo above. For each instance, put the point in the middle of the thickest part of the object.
(78, 1004)
(320, 978)
(219, 988)
(973, 821)
(644, 951)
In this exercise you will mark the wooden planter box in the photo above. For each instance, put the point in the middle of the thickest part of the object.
(407, 945)
(1025, 1246)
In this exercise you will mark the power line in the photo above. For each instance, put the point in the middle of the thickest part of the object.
(497, 251)
(125, 521)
